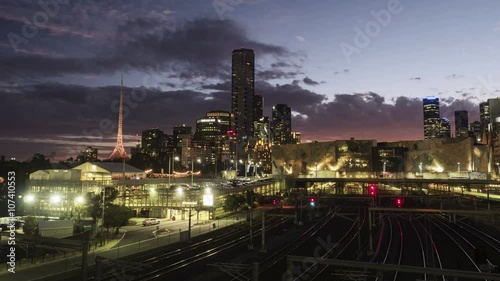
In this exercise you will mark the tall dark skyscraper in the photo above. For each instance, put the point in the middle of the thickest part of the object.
(213, 125)
(258, 108)
(281, 125)
(243, 92)
(152, 142)
(494, 110)
(476, 130)
(461, 123)
(444, 128)
(484, 111)
(261, 128)
(432, 119)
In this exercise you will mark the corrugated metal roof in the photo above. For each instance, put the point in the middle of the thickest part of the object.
(115, 167)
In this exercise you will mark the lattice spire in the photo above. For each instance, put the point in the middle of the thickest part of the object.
(119, 152)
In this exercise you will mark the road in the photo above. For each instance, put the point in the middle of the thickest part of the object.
(137, 239)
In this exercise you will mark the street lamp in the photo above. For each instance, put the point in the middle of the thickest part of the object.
(152, 193)
(55, 199)
(30, 198)
(179, 192)
(103, 205)
(458, 166)
(420, 167)
(79, 200)
(192, 170)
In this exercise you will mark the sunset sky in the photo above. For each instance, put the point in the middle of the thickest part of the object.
(347, 68)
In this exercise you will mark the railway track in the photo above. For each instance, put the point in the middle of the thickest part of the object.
(170, 262)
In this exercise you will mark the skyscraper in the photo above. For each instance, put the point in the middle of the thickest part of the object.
(444, 128)
(258, 105)
(261, 129)
(296, 137)
(281, 126)
(152, 142)
(494, 110)
(484, 111)
(431, 118)
(183, 142)
(461, 123)
(476, 131)
(212, 125)
(242, 92)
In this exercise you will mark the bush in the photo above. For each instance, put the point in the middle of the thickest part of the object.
(30, 224)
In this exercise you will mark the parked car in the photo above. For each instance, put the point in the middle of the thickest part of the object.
(150, 221)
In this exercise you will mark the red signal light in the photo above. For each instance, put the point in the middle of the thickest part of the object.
(399, 202)
(312, 202)
(373, 190)
(274, 201)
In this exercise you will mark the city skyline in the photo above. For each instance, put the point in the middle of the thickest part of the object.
(66, 75)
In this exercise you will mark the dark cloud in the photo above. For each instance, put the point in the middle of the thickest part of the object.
(57, 110)
(415, 78)
(197, 48)
(61, 116)
(225, 86)
(276, 74)
(309, 81)
(370, 116)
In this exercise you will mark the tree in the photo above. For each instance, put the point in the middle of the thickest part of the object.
(30, 224)
(39, 162)
(117, 216)
(94, 202)
(233, 202)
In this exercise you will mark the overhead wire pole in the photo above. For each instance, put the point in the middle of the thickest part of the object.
(169, 168)
(263, 245)
(103, 205)
(250, 246)
(192, 168)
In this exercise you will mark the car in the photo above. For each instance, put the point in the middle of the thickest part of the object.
(150, 221)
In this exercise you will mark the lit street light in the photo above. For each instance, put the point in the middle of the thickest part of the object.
(29, 198)
(192, 170)
(171, 164)
(79, 200)
(458, 166)
(55, 199)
